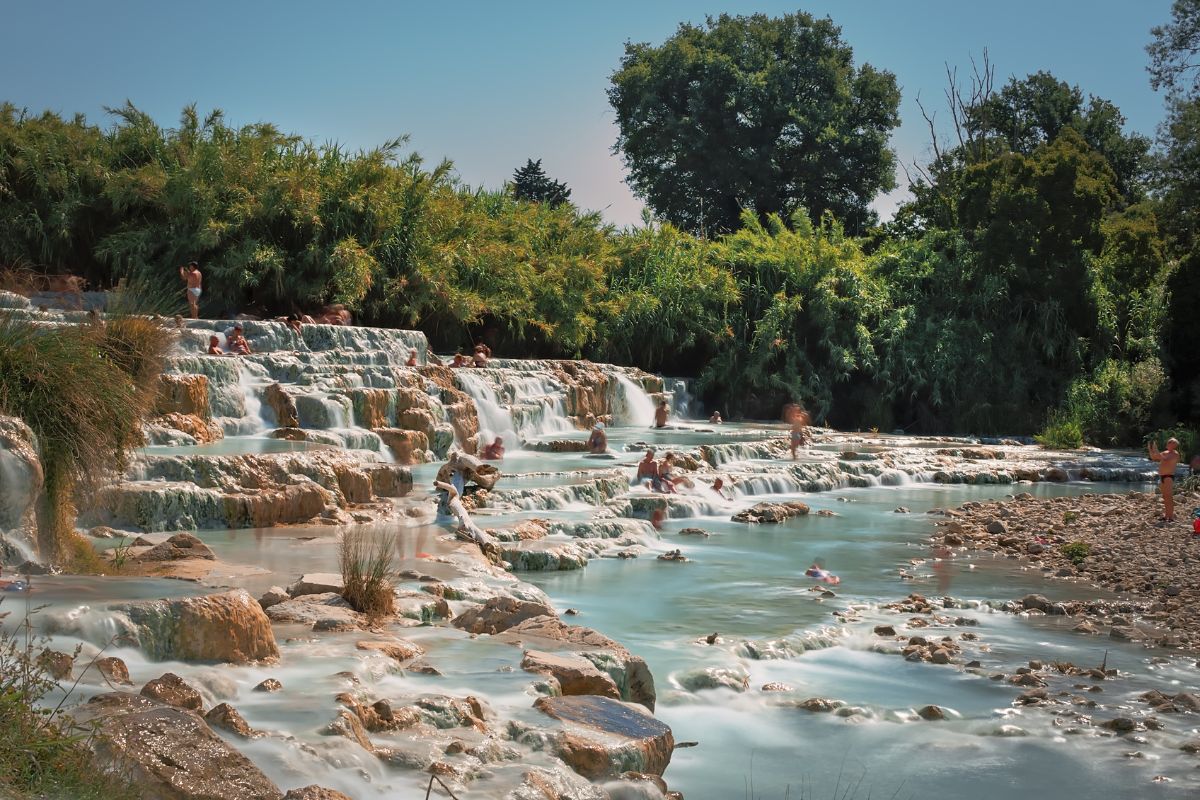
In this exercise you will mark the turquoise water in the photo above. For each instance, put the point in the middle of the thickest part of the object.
(745, 583)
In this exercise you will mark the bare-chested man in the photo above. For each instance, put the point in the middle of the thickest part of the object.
(1167, 460)
(660, 414)
(192, 277)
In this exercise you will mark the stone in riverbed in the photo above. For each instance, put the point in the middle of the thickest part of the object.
(544, 784)
(602, 737)
(499, 614)
(819, 705)
(178, 547)
(697, 680)
(997, 528)
(227, 717)
(317, 583)
(329, 610)
(229, 627)
(269, 685)
(315, 792)
(931, 713)
(171, 689)
(399, 649)
(771, 512)
(57, 664)
(170, 753)
(113, 670)
(574, 673)
(273, 596)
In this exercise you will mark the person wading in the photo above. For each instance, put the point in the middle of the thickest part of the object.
(1167, 460)
(192, 277)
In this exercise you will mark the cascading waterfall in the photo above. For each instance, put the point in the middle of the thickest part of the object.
(632, 405)
(253, 422)
(494, 420)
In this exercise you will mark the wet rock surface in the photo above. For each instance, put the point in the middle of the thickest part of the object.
(602, 737)
(229, 627)
(171, 753)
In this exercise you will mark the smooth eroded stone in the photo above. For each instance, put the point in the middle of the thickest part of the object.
(169, 753)
(314, 792)
(602, 737)
(228, 627)
(171, 689)
(317, 583)
(229, 718)
(398, 649)
(771, 512)
(176, 548)
(574, 673)
(329, 610)
(499, 614)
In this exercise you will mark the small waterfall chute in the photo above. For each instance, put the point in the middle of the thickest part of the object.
(632, 405)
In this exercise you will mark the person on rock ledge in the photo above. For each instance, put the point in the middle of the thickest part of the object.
(494, 451)
(1167, 460)
(660, 414)
(598, 442)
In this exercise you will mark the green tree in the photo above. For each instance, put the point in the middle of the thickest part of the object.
(754, 113)
(1174, 63)
(531, 183)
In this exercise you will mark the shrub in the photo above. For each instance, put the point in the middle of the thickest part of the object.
(1061, 433)
(366, 561)
(85, 391)
(1076, 551)
(42, 752)
(1188, 440)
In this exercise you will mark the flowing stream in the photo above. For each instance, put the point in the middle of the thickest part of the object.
(745, 583)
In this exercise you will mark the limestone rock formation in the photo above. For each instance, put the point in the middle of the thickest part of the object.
(180, 546)
(573, 673)
(771, 512)
(499, 614)
(170, 753)
(229, 627)
(409, 447)
(602, 738)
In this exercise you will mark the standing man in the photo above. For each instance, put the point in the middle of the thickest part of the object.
(1167, 460)
(192, 277)
(660, 414)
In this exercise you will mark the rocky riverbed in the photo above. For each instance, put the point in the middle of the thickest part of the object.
(1113, 541)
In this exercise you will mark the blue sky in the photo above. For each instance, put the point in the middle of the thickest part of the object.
(489, 84)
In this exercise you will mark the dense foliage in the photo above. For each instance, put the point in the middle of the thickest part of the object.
(759, 113)
(1043, 276)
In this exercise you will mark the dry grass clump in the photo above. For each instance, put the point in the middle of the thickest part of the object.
(366, 560)
(85, 391)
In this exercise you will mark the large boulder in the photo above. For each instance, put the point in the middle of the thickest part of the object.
(629, 672)
(227, 627)
(556, 784)
(170, 753)
(178, 547)
(499, 614)
(573, 673)
(771, 512)
(326, 611)
(317, 583)
(173, 690)
(602, 738)
(283, 406)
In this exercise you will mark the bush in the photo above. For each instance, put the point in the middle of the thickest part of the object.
(1061, 433)
(1118, 401)
(366, 561)
(1076, 551)
(42, 752)
(1188, 440)
(85, 391)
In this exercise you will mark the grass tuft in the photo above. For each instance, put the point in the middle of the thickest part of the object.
(366, 560)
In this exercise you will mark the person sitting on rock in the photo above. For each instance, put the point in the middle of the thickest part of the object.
(482, 355)
(718, 486)
(647, 469)
(214, 347)
(660, 414)
(236, 342)
(293, 322)
(666, 481)
(412, 359)
(598, 442)
(459, 360)
(715, 419)
(495, 450)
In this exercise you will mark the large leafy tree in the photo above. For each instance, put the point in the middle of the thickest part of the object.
(531, 183)
(754, 113)
(1175, 51)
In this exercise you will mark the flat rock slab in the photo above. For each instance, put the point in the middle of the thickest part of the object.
(171, 754)
(317, 583)
(328, 608)
(771, 512)
(602, 738)
(574, 674)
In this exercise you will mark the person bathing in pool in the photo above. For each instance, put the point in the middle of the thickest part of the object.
(1167, 460)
